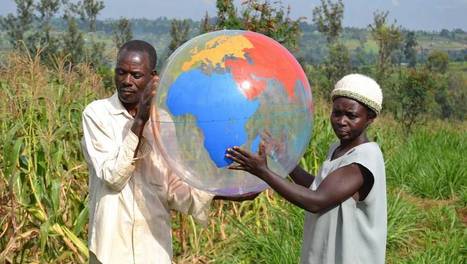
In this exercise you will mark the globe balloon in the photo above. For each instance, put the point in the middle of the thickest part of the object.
(231, 88)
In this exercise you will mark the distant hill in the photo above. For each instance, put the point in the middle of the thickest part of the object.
(312, 48)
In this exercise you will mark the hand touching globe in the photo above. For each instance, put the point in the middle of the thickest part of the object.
(231, 88)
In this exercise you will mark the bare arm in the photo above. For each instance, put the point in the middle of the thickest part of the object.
(301, 177)
(336, 188)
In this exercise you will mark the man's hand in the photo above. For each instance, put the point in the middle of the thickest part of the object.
(142, 114)
(144, 105)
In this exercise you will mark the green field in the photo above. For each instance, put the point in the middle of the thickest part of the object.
(43, 183)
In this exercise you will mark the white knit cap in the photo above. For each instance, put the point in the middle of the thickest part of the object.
(361, 88)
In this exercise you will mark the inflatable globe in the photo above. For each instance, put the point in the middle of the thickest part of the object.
(231, 88)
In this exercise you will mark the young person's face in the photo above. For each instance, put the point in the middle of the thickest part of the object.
(132, 74)
(349, 118)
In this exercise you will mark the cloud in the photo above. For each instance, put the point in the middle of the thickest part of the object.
(395, 2)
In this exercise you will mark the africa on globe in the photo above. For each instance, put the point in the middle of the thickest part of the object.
(231, 88)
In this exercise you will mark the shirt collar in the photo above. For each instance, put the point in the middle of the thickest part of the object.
(116, 107)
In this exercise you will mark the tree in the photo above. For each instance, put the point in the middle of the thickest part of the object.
(17, 26)
(122, 32)
(43, 38)
(74, 42)
(88, 10)
(413, 97)
(227, 15)
(205, 25)
(91, 9)
(259, 16)
(438, 61)
(272, 21)
(338, 61)
(409, 49)
(328, 19)
(47, 9)
(388, 39)
(179, 33)
(444, 33)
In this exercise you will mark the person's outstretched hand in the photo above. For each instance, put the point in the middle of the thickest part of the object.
(245, 160)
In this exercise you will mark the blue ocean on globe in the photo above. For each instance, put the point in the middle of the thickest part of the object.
(220, 109)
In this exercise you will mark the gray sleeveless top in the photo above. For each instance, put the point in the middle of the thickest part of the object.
(353, 231)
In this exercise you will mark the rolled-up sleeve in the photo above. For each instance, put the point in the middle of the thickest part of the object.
(188, 200)
(112, 162)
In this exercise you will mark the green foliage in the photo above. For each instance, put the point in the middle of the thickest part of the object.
(443, 238)
(89, 11)
(435, 234)
(259, 16)
(453, 96)
(413, 97)
(17, 26)
(428, 163)
(277, 240)
(328, 19)
(95, 53)
(44, 193)
(227, 15)
(402, 221)
(388, 39)
(43, 177)
(122, 32)
(32, 30)
(179, 33)
(437, 61)
(337, 65)
(47, 9)
(272, 21)
(43, 183)
(205, 25)
(409, 49)
(74, 42)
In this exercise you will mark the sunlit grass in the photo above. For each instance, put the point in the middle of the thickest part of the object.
(430, 163)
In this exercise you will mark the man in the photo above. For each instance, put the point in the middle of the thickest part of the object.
(131, 188)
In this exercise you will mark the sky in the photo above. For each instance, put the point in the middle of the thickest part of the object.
(429, 15)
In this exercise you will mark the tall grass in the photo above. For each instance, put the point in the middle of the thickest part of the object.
(430, 163)
(43, 183)
(44, 212)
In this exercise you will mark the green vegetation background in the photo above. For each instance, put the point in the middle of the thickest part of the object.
(43, 176)
(43, 183)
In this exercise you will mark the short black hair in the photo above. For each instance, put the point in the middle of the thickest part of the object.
(141, 46)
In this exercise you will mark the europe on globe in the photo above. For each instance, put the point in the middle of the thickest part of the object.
(231, 88)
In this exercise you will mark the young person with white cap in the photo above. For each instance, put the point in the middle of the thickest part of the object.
(346, 218)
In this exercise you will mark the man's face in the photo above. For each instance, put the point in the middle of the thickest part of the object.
(132, 74)
(349, 118)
